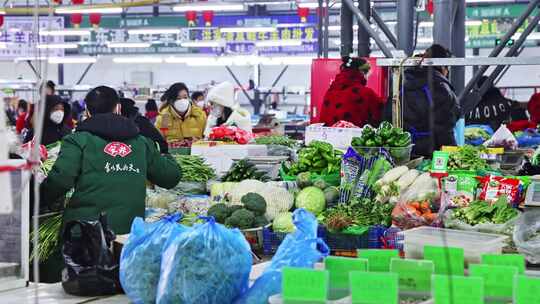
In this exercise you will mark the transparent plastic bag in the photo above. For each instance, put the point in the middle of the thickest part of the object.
(527, 235)
(453, 223)
(208, 265)
(140, 261)
(301, 248)
(191, 187)
(502, 138)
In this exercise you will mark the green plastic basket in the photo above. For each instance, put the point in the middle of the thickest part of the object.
(333, 180)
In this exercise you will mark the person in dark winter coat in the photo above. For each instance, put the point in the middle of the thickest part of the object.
(55, 122)
(493, 110)
(348, 97)
(146, 128)
(430, 112)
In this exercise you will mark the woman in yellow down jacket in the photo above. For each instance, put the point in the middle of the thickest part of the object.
(178, 119)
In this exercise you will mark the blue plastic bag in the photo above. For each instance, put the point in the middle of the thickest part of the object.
(459, 132)
(301, 248)
(208, 265)
(140, 261)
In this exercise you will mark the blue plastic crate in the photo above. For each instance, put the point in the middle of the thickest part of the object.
(272, 240)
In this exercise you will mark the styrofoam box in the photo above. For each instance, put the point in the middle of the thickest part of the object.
(340, 138)
(221, 157)
(474, 243)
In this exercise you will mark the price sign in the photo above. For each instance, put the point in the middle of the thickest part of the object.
(526, 290)
(498, 280)
(447, 260)
(414, 275)
(440, 162)
(304, 285)
(458, 290)
(378, 259)
(339, 269)
(515, 260)
(374, 287)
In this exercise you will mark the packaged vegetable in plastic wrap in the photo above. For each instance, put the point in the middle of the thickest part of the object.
(197, 204)
(352, 166)
(502, 138)
(208, 264)
(527, 235)
(459, 189)
(160, 198)
(301, 248)
(495, 186)
(419, 205)
(140, 261)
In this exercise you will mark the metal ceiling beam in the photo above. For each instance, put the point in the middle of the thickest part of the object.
(457, 74)
(405, 26)
(380, 23)
(364, 44)
(469, 61)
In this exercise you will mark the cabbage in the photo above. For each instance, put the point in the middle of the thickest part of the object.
(283, 223)
(277, 199)
(245, 187)
(312, 199)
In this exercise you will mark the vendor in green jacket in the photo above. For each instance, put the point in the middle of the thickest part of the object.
(108, 163)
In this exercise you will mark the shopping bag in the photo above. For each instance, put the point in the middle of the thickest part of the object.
(90, 268)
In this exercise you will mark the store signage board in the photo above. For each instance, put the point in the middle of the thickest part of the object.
(447, 260)
(514, 260)
(378, 259)
(373, 288)
(497, 11)
(18, 33)
(414, 275)
(526, 290)
(304, 285)
(440, 162)
(458, 289)
(498, 280)
(339, 269)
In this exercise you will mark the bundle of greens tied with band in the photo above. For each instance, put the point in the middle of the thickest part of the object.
(318, 157)
(383, 136)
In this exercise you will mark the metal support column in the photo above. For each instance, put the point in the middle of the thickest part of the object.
(33, 68)
(326, 13)
(442, 26)
(346, 31)
(380, 23)
(238, 83)
(61, 74)
(476, 53)
(320, 30)
(88, 67)
(364, 44)
(405, 26)
(457, 75)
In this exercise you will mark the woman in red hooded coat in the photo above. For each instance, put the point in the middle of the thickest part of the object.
(348, 97)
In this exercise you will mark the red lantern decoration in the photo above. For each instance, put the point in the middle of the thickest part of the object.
(191, 17)
(57, 2)
(77, 2)
(1, 21)
(95, 19)
(76, 20)
(303, 13)
(208, 17)
(430, 7)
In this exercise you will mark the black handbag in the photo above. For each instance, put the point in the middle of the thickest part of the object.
(89, 265)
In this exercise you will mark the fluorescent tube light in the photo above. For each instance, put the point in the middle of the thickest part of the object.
(222, 61)
(296, 60)
(58, 46)
(200, 43)
(225, 7)
(2, 12)
(138, 59)
(66, 32)
(255, 29)
(113, 45)
(54, 60)
(153, 31)
(424, 40)
(88, 10)
(270, 43)
(316, 5)
(19, 59)
(3, 45)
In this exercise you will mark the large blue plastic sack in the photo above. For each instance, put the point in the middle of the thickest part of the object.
(459, 132)
(301, 248)
(208, 265)
(140, 261)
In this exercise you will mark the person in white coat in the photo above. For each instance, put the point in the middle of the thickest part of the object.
(224, 110)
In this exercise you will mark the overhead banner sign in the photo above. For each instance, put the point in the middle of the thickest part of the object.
(21, 40)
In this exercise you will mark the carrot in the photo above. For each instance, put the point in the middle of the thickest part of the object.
(430, 217)
(415, 205)
(424, 205)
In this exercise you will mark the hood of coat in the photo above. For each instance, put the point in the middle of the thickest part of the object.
(110, 127)
(350, 77)
(416, 78)
(222, 94)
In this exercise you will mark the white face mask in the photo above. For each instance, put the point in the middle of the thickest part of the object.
(200, 104)
(181, 105)
(57, 116)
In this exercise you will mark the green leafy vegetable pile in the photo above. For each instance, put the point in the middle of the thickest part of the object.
(384, 136)
(275, 140)
(243, 170)
(318, 157)
(248, 215)
(358, 213)
(481, 212)
(474, 133)
(194, 168)
(467, 158)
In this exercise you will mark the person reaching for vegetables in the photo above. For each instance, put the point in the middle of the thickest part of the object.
(108, 163)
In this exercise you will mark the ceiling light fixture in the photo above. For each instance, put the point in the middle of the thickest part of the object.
(67, 32)
(316, 5)
(154, 31)
(114, 45)
(196, 43)
(138, 59)
(58, 46)
(57, 60)
(88, 10)
(255, 29)
(225, 7)
(271, 43)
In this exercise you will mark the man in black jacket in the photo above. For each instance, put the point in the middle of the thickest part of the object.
(430, 106)
(146, 128)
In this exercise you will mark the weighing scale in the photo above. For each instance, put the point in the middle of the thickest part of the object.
(532, 196)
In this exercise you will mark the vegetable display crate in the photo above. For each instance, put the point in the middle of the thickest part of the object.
(271, 165)
(332, 180)
(400, 155)
(376, 237)
(475, 244)
(272, 240)
(512, 159)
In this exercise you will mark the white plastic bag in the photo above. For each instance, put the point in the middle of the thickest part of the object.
(502, 138)
(527, 235)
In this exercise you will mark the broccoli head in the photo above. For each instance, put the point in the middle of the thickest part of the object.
(260, 221)
(242, 219)
(255, 203)
(233, 208)
(220, 212)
